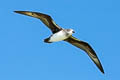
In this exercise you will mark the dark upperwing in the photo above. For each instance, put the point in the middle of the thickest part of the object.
(46, 19)
(88, 49)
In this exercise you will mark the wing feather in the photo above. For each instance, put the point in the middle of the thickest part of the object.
(46, 19)
(88, 49)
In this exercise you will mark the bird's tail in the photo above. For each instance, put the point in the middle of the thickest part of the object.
(47, 40)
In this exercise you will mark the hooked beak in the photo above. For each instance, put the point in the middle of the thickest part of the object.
(73, 31)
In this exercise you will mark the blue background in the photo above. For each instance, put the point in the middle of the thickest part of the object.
(24, 55)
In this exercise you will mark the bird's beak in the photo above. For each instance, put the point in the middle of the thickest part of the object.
(73, 31)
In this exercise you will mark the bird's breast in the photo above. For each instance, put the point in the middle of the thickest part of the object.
(59, 36)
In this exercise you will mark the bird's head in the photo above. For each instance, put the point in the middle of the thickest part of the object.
(70, 31)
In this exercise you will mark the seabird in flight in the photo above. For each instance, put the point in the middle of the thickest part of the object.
(60, 34)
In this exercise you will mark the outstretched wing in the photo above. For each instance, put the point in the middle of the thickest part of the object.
(46, 19)
(87, 48)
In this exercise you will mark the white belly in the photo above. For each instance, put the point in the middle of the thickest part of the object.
(59, 36)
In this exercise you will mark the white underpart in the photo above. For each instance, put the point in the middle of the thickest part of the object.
(59, 36)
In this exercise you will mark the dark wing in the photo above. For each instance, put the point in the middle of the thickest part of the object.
(46, 19)
(88, 49)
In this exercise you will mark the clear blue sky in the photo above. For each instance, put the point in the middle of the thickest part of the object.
(24, 55)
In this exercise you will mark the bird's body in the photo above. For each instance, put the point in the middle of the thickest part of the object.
(60, 34)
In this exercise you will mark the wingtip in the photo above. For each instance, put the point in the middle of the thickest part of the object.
(101, 68)
(102, 71)
(16, 11)
(21, 12)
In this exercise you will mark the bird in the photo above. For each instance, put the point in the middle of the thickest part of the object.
(61, 34)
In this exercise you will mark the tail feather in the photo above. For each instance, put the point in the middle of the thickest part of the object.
(47, 40)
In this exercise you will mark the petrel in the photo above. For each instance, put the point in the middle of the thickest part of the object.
(61, 34)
